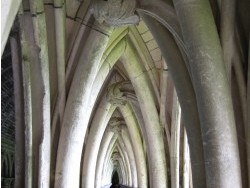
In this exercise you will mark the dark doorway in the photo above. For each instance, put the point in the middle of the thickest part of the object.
(115, 178)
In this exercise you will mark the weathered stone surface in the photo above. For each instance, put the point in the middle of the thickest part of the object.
(83, 55)
(115, 156)
(115, 125)
(116, 12)
(118, 93)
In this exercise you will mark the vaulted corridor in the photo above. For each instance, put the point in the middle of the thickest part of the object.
(140, 93)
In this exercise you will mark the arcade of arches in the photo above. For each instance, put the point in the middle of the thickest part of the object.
(140, 93)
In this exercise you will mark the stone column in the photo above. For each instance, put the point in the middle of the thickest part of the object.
(164, 77)
(27, 124)
(186, 162)
(60, 30)
(74, 124)
(109, 58)
(212, 93)
(42, 116)
(97, 128)
(183, 84)
(154, 131)
(227, 29)
(19, 112)
(175, 143)
(36, 95)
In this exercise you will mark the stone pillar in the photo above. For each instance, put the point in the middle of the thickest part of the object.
(175, 143)
(212, 93)
(186, 95)
(74, 124)
(42, 112)
(154, 131)
(227, 29)
(186, 162)
(60, 30)
(36, 95)
(97, 128)
(27, 124)
(19, 112)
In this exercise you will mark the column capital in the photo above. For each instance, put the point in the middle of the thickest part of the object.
(115, 12)
(115, 124)
(119, 93)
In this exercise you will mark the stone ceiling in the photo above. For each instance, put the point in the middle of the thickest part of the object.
(151, 44)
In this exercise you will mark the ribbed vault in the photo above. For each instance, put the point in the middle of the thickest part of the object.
(131, 93)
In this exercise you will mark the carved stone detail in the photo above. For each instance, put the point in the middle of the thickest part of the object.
(118, 93)
(115, 125)
(115, 12)
(115, 156)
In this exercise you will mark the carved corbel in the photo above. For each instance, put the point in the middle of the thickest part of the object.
(115, 156)
(115, 125)
(115, 13)
(119, 93)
